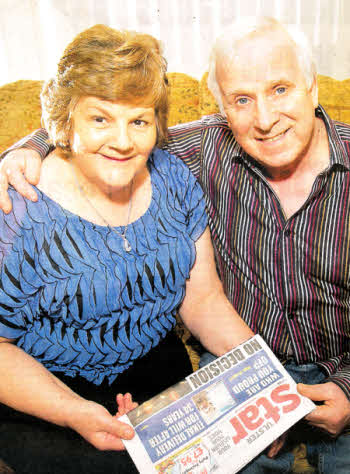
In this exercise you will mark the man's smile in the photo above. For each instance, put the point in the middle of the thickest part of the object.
(274, 138)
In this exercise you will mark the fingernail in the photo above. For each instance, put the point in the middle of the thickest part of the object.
(128, 433)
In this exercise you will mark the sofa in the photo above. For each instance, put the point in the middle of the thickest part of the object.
(20, 114)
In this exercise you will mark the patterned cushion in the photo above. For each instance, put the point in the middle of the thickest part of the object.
(207, 103)
(184, 98)
(20, 111)
(334, 96)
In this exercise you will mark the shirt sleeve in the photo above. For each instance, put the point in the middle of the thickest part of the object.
(197, 216)
(36, 141)
(187, 195)
(341, 376)
(184, 141)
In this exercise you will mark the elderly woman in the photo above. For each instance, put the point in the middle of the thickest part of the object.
(94, 272)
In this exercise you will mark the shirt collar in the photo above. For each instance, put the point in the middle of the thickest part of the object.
(337, 151)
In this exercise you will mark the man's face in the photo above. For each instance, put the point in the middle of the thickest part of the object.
(269, 108)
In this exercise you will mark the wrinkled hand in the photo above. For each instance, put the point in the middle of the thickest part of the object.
(334, 414)
(19, 168)
(125, 404)
(95, 424)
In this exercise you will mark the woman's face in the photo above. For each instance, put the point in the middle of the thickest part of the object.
(111, 141)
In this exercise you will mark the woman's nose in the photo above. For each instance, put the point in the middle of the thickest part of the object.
(120, 138)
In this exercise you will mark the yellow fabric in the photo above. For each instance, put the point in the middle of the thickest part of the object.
(334, 96)
(20, 111)
(207, 102)
(184, 98)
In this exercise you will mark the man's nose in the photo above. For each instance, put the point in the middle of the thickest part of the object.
(266, 115)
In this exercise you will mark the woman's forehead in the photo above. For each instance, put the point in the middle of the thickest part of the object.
(111, 107)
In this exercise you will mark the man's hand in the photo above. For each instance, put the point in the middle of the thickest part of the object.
(94, 423)
(334, 414)
(19, 168)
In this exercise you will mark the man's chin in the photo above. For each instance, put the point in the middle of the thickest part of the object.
(277, 166)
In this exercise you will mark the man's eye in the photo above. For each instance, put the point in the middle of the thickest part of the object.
(99, 119)
(281, 90)
(242, 101)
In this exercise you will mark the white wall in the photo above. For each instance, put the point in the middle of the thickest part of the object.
(33, 33)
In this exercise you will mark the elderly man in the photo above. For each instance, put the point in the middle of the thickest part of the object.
(276, 173)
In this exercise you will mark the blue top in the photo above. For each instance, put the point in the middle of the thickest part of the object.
(75, 300)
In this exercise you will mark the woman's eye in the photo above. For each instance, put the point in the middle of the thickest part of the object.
(99, 119)
(139, 122)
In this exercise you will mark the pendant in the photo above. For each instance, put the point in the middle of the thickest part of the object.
(127, 246)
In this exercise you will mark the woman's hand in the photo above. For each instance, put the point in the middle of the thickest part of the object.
(125, 404)
(27, 386)
(95, 424)
(19, 168)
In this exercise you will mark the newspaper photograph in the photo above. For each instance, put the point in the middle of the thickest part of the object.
(218, 418)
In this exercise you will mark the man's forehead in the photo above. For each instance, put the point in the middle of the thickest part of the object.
(257, 44)
(259, 57)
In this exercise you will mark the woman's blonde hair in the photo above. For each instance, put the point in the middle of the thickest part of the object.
(112, 65)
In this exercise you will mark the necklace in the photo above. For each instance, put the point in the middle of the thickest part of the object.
(126, 243)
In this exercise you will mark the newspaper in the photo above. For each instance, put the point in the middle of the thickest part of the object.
(218, 418)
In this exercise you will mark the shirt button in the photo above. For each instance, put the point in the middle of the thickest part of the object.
(287, 233)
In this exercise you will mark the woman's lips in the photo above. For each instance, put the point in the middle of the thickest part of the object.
(116, 158)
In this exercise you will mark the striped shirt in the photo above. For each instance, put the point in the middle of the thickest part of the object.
(288, 278)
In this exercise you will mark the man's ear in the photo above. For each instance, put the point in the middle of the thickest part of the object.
(314, 92)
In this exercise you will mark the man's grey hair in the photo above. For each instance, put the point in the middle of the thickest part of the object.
(226, 43)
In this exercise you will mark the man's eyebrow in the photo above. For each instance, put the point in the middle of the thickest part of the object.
(271, 84)
(236, 92)
(282, 80)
